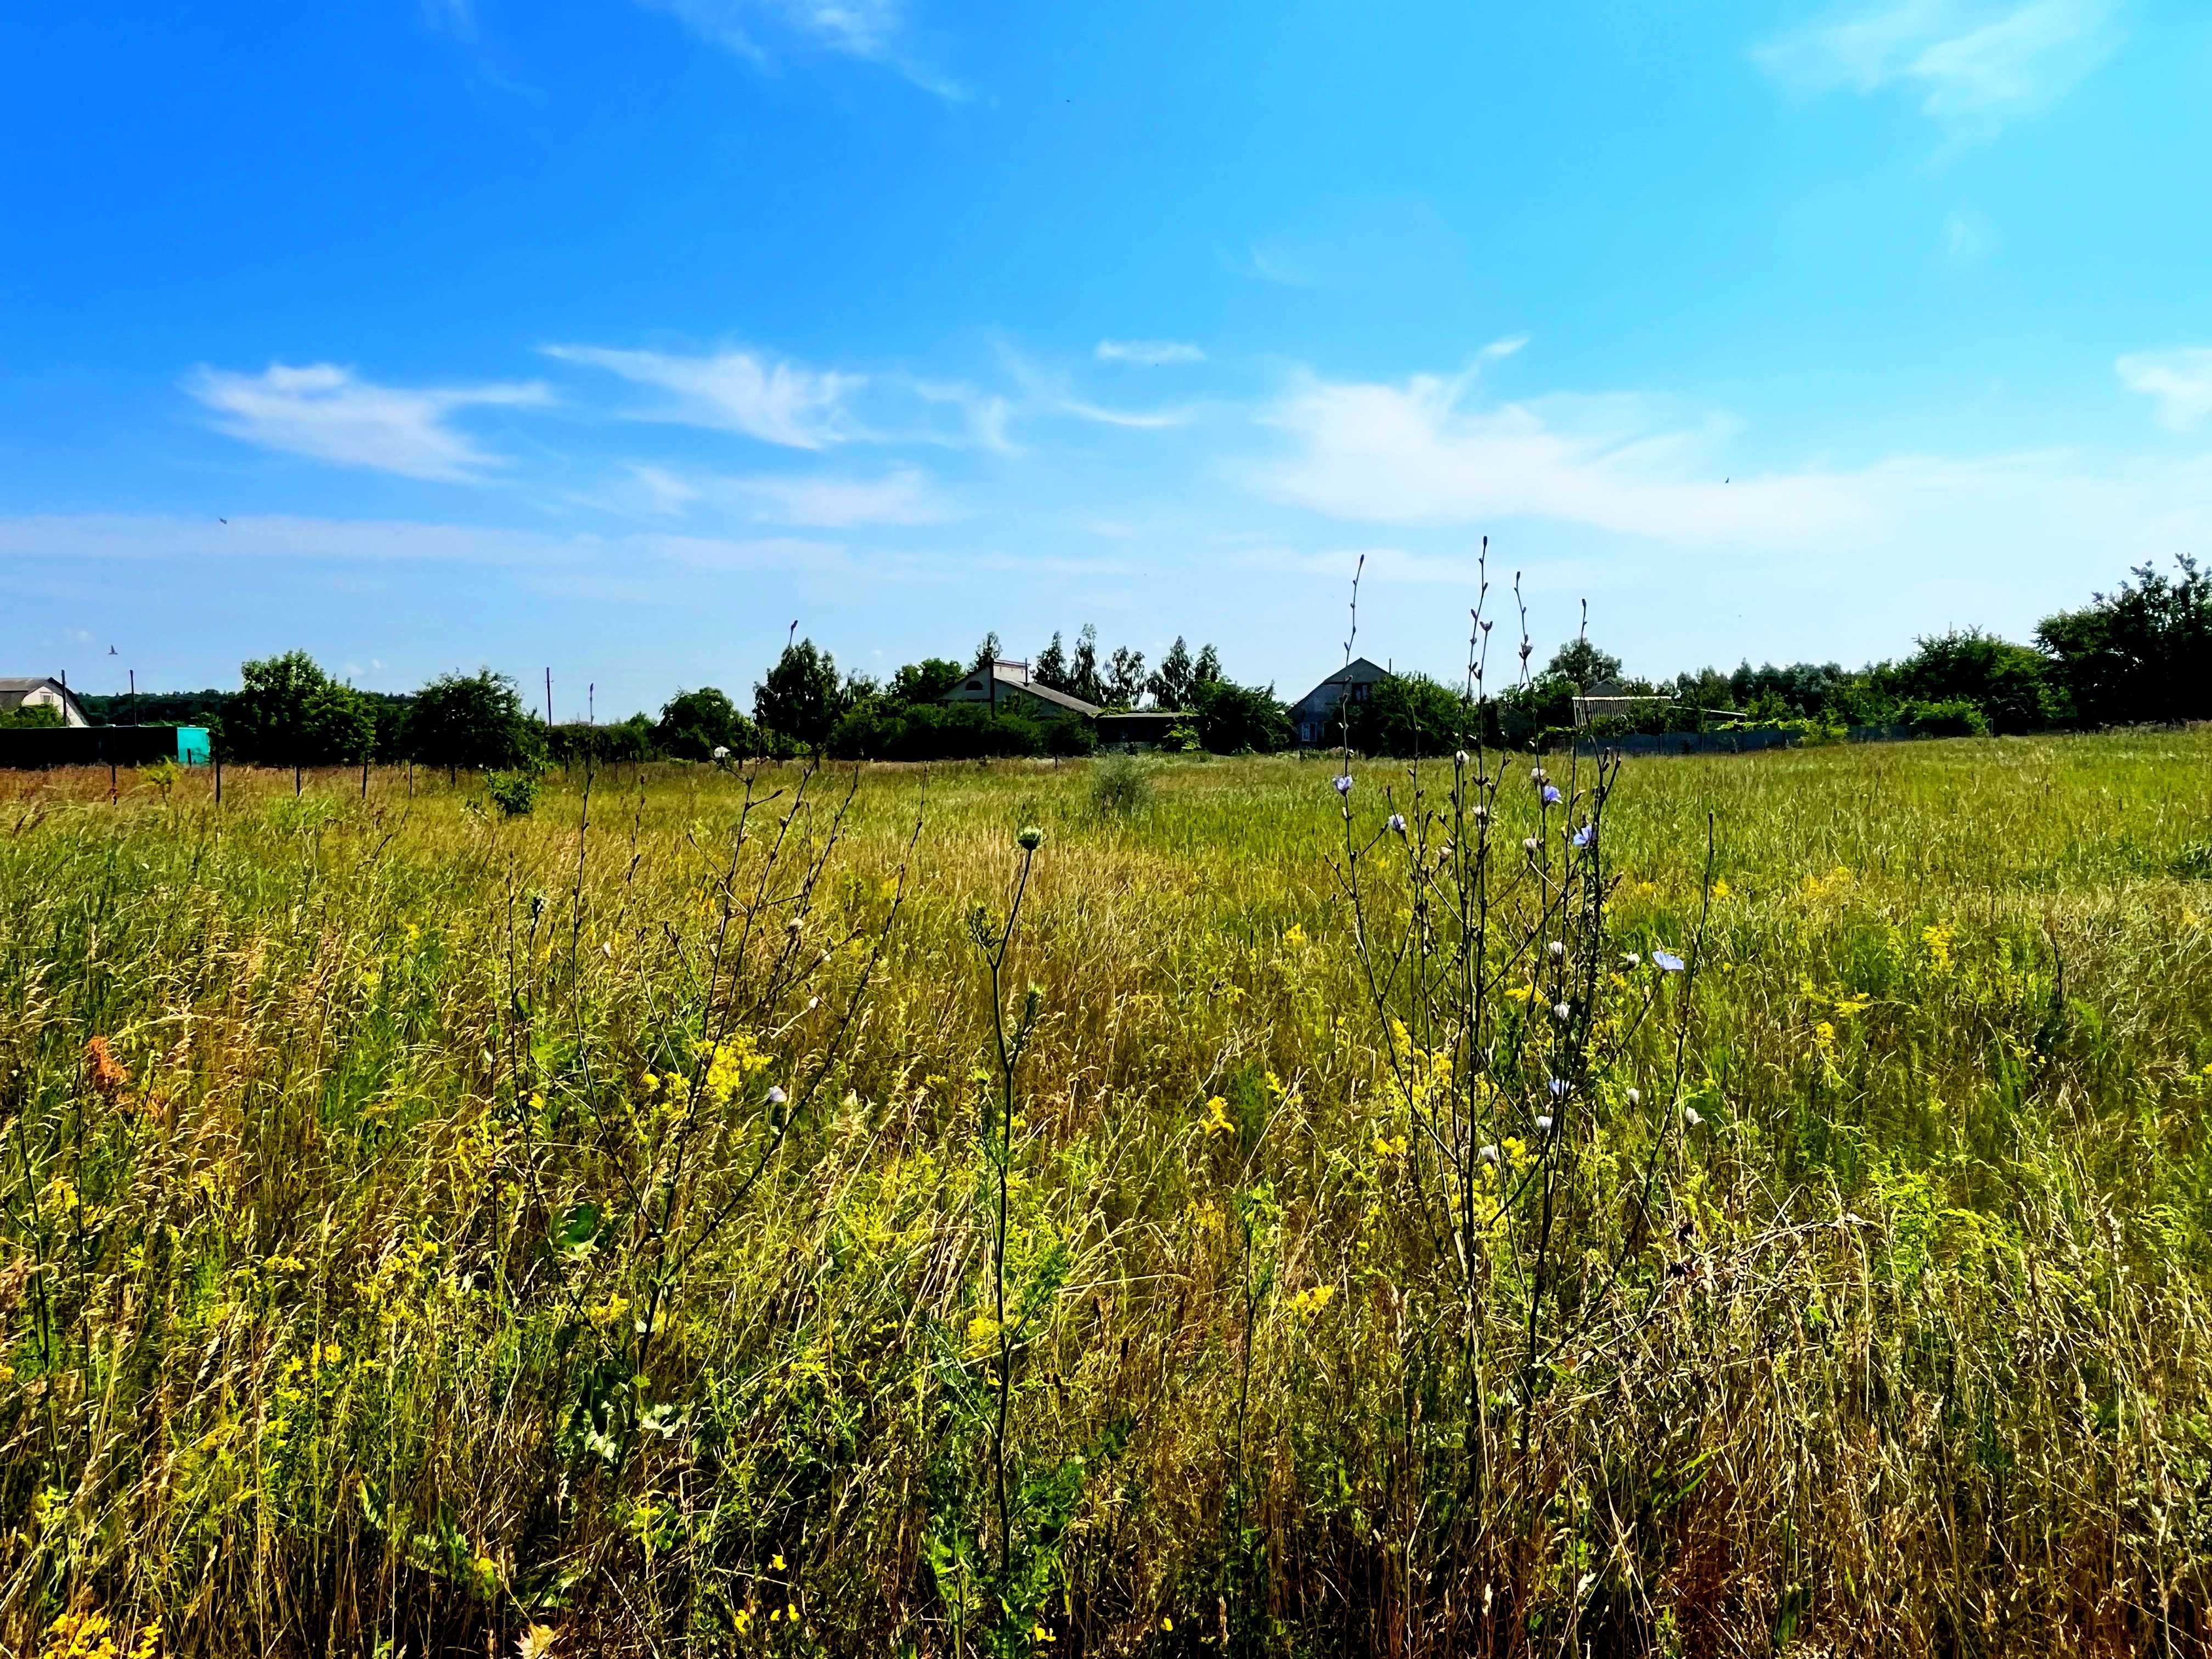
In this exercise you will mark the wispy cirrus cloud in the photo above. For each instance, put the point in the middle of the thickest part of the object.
(1976, 65)
(873, 31)
(905, 496)
(2178, 380)
(1152, 354)
(328, 413)
(779, 403)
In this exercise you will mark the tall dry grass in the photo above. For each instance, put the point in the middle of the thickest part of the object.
(402, 1250)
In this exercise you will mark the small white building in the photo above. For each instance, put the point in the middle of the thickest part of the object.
(42, 694)
(1007, 685)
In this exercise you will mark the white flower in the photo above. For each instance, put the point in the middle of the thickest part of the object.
(1557, 948)
(1561, 1012)
(1544, 1124)
(776, 1096)
(1481, 812)
(813, 1003)
(1488, 1154)
(1460, 758)
(721, 751)
(1535, 774)
(1631, 959)
(1690, 1116)
(1635, 1097)
(1529, 844)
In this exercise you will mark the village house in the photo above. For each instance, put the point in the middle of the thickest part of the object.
(1006, 686)
(1315, 719)
(16, 694)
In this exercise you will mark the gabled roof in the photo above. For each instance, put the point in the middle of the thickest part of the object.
(1359, 671)
(13, 690)
(1016, 674)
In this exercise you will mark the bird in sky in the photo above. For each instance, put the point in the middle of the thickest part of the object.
(222, 521)
(111, 651)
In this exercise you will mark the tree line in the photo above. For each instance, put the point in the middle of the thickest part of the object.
(2141, 653)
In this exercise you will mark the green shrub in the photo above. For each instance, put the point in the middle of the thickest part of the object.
(515, 792)
(1120, 785)
(1948, 717)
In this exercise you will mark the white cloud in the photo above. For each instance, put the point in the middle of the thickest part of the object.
(661, 490)
(875, 31)
(331, 414)
(1146, 420)
(1626, 466)
(1153, 353)
(2178, 379)
(904, 497)
(779, 403)
(1974, 64)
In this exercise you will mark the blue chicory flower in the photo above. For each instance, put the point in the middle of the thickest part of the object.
(1666, 961)
(1344, 783)
(1552, 794)
(1585, 836)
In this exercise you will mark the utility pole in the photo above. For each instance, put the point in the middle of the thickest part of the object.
(549, 696)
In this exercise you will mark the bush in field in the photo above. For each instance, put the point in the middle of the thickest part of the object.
(1953, 717)
(288, 712)
(473, 720)
(515, 793)
(1120, 785)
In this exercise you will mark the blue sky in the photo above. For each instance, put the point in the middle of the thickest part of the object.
(615, 335)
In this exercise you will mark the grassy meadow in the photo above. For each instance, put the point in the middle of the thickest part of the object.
(600, 1232)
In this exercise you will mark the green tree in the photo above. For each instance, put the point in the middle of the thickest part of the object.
(1083, 680)
(1171, 681)
(475, 720)
(288, 712)
(1209, 666)
(1125, 678)
(2008, 682)
(693, 725)
(1051, 665)
(925, 681)
(988, 650)
(1409, 714)
(1583, 664)
(1232, 718)
(2141, 653)
(802, 698)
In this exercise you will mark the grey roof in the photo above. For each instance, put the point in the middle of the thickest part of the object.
(13, 691)
(1359, 671)
(1017, 674)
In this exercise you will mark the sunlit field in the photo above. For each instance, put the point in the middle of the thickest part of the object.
(428, 1232)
